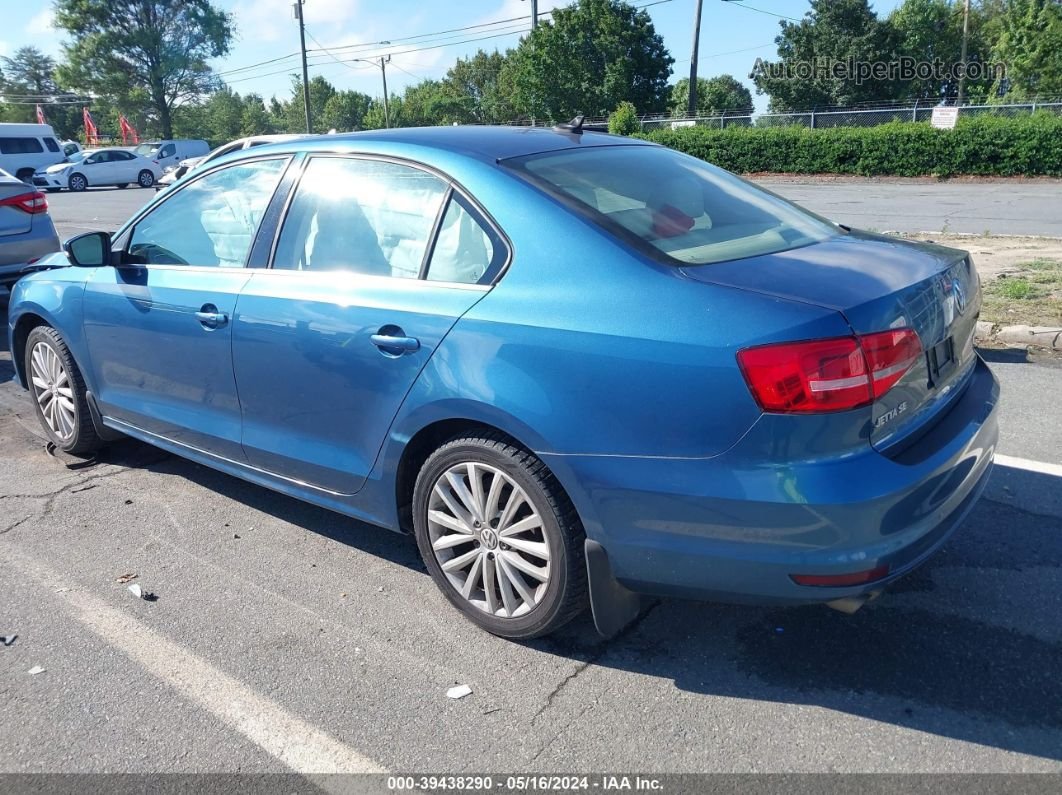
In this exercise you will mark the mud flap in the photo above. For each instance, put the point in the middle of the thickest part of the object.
(106, 434)
(613, 606)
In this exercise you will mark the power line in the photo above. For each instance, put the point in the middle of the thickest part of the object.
(738, 4)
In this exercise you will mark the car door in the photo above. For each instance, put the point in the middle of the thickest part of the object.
(126, 167)
(102, 169)
(328, 342)
(159, 325)
(167, 155)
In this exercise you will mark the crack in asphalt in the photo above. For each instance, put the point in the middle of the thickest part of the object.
(11, 527)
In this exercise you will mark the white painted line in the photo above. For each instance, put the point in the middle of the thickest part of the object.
(299, 745)
(1029, 465)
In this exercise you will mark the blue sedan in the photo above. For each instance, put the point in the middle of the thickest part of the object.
(578, 368)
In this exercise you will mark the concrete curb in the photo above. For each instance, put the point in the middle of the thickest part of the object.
(1049, 337)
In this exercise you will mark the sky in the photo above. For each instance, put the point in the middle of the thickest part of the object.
(424, 40)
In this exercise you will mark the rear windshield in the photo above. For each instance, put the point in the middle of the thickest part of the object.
(673, 205)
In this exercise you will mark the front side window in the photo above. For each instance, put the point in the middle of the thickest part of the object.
(167, 151)
(364, 216)
(211, 221)
(672, 206)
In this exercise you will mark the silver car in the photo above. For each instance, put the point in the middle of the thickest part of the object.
(26, 230)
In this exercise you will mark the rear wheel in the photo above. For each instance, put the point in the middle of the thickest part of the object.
(77, 183)
(59, 395)
(146, 179)
(52, 190)
(25, 175)
(500, 537)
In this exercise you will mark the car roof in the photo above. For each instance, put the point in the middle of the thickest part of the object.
(489, 144)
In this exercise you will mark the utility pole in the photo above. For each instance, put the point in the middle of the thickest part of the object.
(383, 71)
(692, 109)
(534, 14)
(305, 74)
(965, 38)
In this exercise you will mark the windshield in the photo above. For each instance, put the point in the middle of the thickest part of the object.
(144, 150)
(674, 205)
(76, 157)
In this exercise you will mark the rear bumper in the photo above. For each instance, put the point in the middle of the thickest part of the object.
(734, 529)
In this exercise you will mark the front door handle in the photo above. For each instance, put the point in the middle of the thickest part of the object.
(395, 344)
(210, 318)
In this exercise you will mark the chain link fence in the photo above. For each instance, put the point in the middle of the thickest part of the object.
(845, 117)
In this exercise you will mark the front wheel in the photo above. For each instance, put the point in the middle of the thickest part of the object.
(77, 183)
(500, 537)
(59, 395)
(146, 179)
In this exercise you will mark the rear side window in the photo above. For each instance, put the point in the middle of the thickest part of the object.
(466, 247)
(119, 155)
(672, 206)
(52, 144)
(211, 221)
(20, 146)
(364, 216)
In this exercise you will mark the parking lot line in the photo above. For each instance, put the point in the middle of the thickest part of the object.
(1029, 465)
(301, 746)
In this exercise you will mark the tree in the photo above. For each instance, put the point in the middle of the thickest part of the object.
(931, 30)
(1030, 44)
(28, 79)
(158, 46)
(345, 111)
(593, 55)
(833, 32)
(714, 96)
(475, 81)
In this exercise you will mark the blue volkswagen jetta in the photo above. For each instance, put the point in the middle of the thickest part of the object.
(577, 367)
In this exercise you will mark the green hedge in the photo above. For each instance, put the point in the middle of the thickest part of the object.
(1027, 145)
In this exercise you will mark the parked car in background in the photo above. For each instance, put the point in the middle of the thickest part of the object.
(28, 148)
(99, 167)
(71, 147)
(26, 230)
(173, 173)
(569, 363)
(170, 153)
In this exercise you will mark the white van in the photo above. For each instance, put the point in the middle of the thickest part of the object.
(25, 148)
(170, 153)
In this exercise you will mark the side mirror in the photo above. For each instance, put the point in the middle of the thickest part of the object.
(91, 250)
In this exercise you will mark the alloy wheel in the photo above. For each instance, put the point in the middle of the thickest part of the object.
(53, 391)
(489, 539)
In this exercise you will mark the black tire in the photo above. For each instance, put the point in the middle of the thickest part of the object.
(77, 182)
(145, 179)
(52, 190)
(25, 175)
(565, 594)
(83, 439)
(123, 186)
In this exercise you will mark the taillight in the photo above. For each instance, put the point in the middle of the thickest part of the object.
(840, 580)
(833, 374)
(32, 202)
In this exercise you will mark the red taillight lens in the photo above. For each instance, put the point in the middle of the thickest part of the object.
(828, 375)
(890, 354)
(839, 580)
(32, 203)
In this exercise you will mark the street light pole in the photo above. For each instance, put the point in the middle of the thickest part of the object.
(305, 73)
(692, 109)
(387, 107)
(965, 39)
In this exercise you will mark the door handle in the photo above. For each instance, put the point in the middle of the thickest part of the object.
(395, 345)
(209, 317)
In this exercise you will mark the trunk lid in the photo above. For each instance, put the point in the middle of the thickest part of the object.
(879, 283)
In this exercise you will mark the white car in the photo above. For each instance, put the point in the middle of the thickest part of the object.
(97, 167)
(173, 173)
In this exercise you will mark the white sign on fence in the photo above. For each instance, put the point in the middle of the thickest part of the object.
(683, 123)
(945, 118)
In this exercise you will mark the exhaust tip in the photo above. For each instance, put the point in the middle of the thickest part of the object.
(850, 605)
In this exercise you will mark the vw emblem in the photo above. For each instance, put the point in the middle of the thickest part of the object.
(489, 538)
(960, 296)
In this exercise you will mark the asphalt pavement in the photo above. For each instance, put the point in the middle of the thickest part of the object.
(1000, 208)
(286, 637)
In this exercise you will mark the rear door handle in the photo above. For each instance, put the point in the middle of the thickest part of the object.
(395, 344)
(210, 317)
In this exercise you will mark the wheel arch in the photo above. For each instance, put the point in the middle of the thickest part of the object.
(25, 324)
